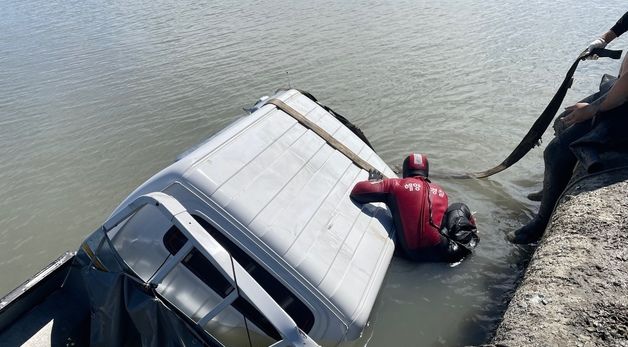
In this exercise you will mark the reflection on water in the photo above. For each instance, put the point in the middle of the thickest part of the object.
(95, 97)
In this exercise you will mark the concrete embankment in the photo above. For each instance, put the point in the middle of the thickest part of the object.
(575, 290)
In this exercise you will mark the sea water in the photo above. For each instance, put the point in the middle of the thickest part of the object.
(95, 97)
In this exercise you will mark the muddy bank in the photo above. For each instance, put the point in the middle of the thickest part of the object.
(575, 290)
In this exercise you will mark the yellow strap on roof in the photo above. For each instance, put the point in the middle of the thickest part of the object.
(361, 163)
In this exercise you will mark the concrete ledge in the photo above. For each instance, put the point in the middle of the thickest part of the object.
(575, 290)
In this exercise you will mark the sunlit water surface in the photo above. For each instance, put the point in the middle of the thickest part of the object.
(97, 96)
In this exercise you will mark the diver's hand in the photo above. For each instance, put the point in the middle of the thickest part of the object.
(579, 113)
(598, 43)
(375, 175)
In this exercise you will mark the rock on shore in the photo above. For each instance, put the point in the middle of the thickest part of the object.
(575, 290)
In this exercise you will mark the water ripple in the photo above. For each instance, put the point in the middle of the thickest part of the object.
(95, 97)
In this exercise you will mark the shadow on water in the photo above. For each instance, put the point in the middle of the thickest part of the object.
(479, 327)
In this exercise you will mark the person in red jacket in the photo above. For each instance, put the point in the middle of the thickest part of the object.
(426, 229)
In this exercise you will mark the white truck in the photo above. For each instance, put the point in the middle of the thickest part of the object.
(248, 239)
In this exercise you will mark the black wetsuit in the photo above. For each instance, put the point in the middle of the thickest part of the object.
(577, 142)
(582, 141)
(621, 26)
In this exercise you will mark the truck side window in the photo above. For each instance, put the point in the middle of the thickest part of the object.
(294, 307)
(207, 272)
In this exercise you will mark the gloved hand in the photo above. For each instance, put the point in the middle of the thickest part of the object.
(375, 175)
(598, 43)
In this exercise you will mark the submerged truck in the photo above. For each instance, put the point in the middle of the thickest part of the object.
(250, 238)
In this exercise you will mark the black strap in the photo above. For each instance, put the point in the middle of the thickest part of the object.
(533, 137)
(604, 53)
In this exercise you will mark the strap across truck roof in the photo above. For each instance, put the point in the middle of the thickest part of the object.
(337, 145)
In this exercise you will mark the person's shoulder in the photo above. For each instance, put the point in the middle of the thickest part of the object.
(392, 182)
(410, 183)
(435, 185)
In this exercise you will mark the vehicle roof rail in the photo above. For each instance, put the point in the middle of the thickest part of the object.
(198, 238)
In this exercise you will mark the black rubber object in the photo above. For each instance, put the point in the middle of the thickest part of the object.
(354, 129)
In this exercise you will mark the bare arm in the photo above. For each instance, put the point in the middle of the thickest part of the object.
(616, 96)
(608, 36)
(617, 30)
(623, 67)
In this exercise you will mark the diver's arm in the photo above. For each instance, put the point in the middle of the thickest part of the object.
(371, 191)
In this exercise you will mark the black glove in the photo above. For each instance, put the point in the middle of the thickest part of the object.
(375, 175)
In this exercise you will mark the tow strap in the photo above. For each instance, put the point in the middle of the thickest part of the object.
(335, 144)
(533, 137)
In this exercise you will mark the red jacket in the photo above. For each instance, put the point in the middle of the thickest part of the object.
(417, 206)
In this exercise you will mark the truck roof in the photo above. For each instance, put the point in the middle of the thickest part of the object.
(290, 189)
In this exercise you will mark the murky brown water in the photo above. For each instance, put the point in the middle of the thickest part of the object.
(95, 97)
